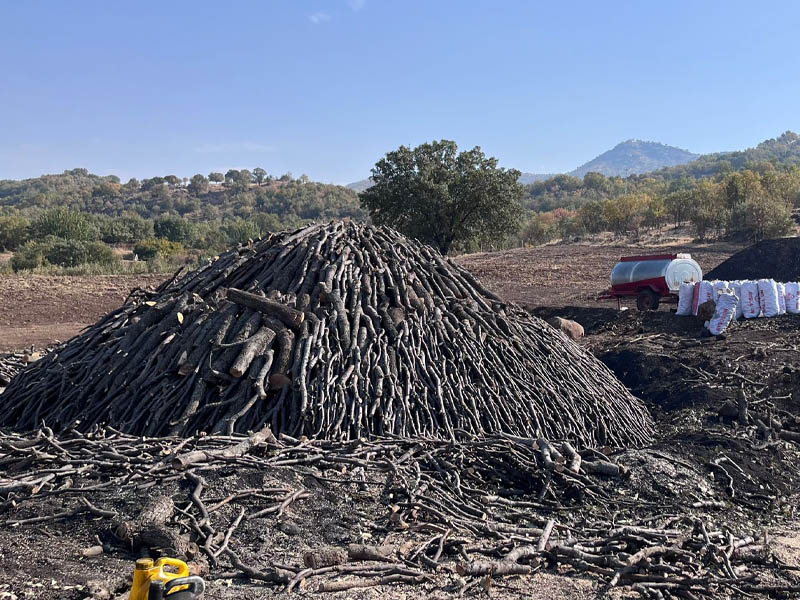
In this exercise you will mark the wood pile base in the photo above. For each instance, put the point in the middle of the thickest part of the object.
(481, 508)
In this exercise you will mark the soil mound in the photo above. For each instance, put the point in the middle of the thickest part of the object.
(333, 331)
(777, 259)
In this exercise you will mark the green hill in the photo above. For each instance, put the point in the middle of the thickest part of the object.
(288, 200)
(780, 152)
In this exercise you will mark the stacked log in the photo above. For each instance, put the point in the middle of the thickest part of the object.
(332, 331)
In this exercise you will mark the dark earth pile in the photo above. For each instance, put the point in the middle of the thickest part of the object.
(777, 259)
(332, 331)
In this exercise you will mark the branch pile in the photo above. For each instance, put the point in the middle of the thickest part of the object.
(333, 331)
(481, 507)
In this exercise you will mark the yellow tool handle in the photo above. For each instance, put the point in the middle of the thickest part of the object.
(183, 568)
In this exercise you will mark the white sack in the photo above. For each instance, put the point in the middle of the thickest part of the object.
(768, 297)
(751, 305)
(695, 298)
(781, 298)
(685, 299)
(704, 294)
(723, 315)
(736, 286)
(718, 287)
(792, 297)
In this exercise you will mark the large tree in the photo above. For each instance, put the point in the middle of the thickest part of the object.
(443, 197)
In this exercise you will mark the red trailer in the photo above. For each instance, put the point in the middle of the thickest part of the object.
(651, 278)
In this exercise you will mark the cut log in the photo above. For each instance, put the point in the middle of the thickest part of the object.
(287, 315)
(149, 530)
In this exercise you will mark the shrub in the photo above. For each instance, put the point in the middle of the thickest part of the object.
(66, 224)
(540, 229)
(30, 256)
(62, 253)
(125, 230)
(241, 230)
(14, 231)
(71, 253)
(208, 236)
(174, 229)
(156, 248)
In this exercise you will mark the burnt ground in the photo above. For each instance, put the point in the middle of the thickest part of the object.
(699, 454)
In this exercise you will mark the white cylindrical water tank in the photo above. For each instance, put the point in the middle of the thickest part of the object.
(673, 269)
(683, 269)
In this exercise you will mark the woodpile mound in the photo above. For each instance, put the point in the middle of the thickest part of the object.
(333, 331)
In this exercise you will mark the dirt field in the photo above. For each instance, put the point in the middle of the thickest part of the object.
(690, 384)
(561, 275)
(38, 310)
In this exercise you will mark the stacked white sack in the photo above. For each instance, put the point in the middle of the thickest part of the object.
(724, 313)
(705, 292)
(685, 299)
(768, 297)
(781, 298)
(751, 305)
(719, 286)
(792, 297)
(737, 290)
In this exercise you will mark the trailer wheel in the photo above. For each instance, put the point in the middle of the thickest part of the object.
(647, 300)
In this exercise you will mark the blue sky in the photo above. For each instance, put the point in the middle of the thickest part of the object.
(326, 87)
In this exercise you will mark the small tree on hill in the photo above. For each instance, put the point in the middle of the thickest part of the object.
(444, 197)
(216, 177)
(198, 185)
(231, 175)
(260, 175)
(243, 180)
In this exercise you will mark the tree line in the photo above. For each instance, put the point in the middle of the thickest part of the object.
(747, 205)
(216, 197)
(161, 216)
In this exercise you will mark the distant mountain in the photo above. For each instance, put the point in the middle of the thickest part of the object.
(633, 157)
(360, 186)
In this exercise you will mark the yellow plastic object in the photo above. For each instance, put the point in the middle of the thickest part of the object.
(146, 570)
